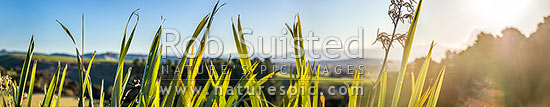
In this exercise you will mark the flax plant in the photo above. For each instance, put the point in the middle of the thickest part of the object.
(305, 75)
(121, 79)
(56, 83)
(248, 81)
(399, 11)
(18, 93)
(192, 62)
(405, 58)
(12, 93)
(419, 97)
(84, 73)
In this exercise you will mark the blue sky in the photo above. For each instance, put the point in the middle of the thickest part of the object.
(450, 23)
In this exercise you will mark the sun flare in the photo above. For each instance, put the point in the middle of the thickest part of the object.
(500, 11)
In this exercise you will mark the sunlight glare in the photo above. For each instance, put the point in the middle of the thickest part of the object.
(500, 11)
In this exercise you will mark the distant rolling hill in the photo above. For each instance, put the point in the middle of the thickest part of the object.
(102, 69)
(106, 56)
